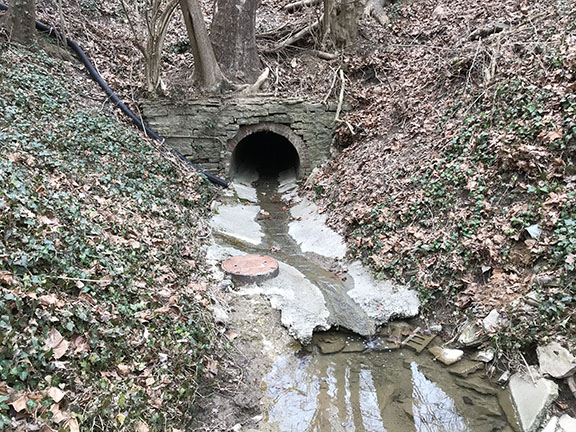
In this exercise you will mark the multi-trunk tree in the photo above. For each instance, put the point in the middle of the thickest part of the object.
(149, 20)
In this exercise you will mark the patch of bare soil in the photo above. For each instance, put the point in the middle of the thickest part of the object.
(256, 337)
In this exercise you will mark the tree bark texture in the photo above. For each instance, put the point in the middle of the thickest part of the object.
(340, 21)
(20, 21)
(207, 73)
(233, 35)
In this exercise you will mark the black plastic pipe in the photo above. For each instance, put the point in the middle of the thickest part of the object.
(51, 31)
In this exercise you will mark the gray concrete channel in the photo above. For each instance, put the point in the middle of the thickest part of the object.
(348, 370)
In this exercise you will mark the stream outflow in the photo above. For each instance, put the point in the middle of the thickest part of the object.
(357, 378)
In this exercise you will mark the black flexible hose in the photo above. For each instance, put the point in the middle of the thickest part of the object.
(98, 78)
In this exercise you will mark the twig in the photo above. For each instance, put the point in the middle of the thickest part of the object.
(277, 73)
(350, 127)
(341, 97)
(529, 370)
(253, 88)
(102, 281)
(331, 87)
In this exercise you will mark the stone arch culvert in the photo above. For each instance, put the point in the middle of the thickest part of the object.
(230, 136)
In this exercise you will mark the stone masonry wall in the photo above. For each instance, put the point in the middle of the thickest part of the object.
(207, 130)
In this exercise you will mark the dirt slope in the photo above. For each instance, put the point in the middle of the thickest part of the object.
(462, 137)
(103, 299)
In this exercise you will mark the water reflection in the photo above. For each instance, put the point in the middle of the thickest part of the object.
(366, 393)
(433, 410)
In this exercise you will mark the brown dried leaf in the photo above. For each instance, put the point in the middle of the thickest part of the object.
(142, 427)
(48, 300)
(58, 416)
(79, 344)
(20, 403)
(56, 394)
(56, 343)
(4, 389)
(123, 369)
(6, 278)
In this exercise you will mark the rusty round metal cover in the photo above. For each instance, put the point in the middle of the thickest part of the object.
(251, 265)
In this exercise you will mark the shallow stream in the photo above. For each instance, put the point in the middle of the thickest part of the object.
(345, 382)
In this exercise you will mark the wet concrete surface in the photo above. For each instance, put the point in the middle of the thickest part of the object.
(358, 379)
(298, 237)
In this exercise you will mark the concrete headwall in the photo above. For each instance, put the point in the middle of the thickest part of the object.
(207, 130)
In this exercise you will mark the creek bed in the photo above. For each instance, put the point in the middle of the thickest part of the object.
(339, 380)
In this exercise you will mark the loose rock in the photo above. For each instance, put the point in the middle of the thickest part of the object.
(446, 355)
(556, 361)
(330, 343)
(220, 315)
(531, 400)
(504, 378)
(483, 356)
(227, 285)
(436, 328)
(470, 335)
(492, 321)
(476, 384)
(567, 424)
(353, 346)
(465, 368)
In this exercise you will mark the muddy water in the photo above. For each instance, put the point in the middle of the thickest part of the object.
(376, 390)
(344, 382)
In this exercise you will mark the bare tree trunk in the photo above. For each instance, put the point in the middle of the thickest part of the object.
(207, 73)
(340, 21)
(20, 21)
(233, 35)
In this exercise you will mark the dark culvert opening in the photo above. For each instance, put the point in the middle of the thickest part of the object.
(266, 154)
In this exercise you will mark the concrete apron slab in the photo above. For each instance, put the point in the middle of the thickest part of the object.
(322, 300)
(238, 221)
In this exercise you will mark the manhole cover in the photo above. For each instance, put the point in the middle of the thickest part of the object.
(251, 268)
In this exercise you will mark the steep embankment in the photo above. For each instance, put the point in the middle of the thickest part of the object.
(459, 175)
(102, 310)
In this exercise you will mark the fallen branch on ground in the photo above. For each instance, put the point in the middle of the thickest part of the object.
(291, 7)
(324, 55)
(253, 88)
(296, 37)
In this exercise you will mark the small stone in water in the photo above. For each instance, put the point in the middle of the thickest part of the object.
(446, 355)
(465, 368)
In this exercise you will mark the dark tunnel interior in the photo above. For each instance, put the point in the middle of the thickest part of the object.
(264, 153)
